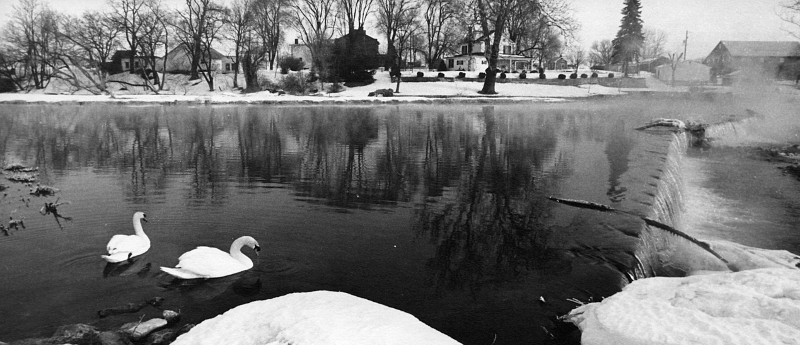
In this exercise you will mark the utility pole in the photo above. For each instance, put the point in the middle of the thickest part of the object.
(685, 42)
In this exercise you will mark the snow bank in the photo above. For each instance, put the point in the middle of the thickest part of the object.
(320, 317)
(748, 307)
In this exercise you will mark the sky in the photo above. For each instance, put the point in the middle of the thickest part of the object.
(707, 21)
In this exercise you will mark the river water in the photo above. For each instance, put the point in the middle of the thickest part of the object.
(437, 210)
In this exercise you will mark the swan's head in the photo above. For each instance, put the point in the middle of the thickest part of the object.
(250, 242)
(140, 216)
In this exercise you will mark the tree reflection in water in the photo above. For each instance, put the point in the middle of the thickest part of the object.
(491, 227)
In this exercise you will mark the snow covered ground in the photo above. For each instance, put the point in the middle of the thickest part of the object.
(754, 306)
(311, 318)
(197, 92)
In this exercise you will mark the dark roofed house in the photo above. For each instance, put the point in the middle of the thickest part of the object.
(121, 61)
(769, 59)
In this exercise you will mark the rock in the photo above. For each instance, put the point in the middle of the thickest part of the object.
(162, 337)
(112, 338)
(185, 328)
(77, 333)
(42, 190)
(382, 93)
(171, 316)
(138, 331)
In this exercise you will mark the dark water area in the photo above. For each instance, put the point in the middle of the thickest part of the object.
(439, 211)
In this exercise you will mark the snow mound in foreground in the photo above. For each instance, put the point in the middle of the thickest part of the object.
(749, 307)
(320, 317)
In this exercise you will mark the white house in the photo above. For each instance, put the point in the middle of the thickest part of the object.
(179, 60)
(473, 58)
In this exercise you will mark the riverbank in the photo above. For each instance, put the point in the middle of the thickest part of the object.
(456, 91)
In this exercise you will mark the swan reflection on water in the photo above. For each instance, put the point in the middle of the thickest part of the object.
(134, 266)
(244, 284)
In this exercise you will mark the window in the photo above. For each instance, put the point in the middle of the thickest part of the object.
(228, 67)
(464, 49)
(506, 49)
(483, 62)
(459, 62)
(127, 64)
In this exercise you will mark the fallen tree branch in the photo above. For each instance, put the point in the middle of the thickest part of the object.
(647, 220)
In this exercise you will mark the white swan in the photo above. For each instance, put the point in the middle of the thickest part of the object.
(207, 262)
(124, 247)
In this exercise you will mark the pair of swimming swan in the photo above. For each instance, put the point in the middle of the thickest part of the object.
(201, 262)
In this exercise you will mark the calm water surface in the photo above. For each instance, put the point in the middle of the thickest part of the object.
(439, 211)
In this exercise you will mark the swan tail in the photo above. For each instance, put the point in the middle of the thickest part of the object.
(116, 257)
(180, 273)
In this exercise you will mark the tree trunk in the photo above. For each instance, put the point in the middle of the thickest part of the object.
(196, 52)
(490, 81)
(236, 74)
(491, 72)
(250, 70)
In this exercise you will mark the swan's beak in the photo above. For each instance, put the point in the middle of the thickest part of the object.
(144, 220)
(257, 248)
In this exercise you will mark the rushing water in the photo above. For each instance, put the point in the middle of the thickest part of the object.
(439, 211)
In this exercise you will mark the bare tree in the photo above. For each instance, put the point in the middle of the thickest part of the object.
(315, 20)
(540, 25)
(790, 13)
(601, 52)
(89, 41)
(198, 26)
(30, 43)
(355, 13)
(674, 61)
(392, 15)
(654, 44)
(268, 18)
(440, 27)
(493, 17)
(155, 30)
(238, 24)
(127, 14)
(577, 56)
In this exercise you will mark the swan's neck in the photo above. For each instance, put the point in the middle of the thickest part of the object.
(236, 253)
(137, 228)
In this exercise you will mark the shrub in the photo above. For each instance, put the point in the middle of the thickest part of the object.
(442, 66)
(293, 84)
(358, 78)
(522, 75)
(584, 76)
(561, 76)
(335, 87)
(420, 74)
(440, 75)
(7, 85)
(264, 83)
(290, 63)
(611, 75)
(481, 75)
(503, 75)
(542, 75)
(573, 76)
(462, 75)
(594, 74)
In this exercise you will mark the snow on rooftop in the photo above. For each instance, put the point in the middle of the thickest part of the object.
(310, 318)
(759, 306)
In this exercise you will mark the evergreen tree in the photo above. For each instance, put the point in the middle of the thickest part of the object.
(629, 38)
